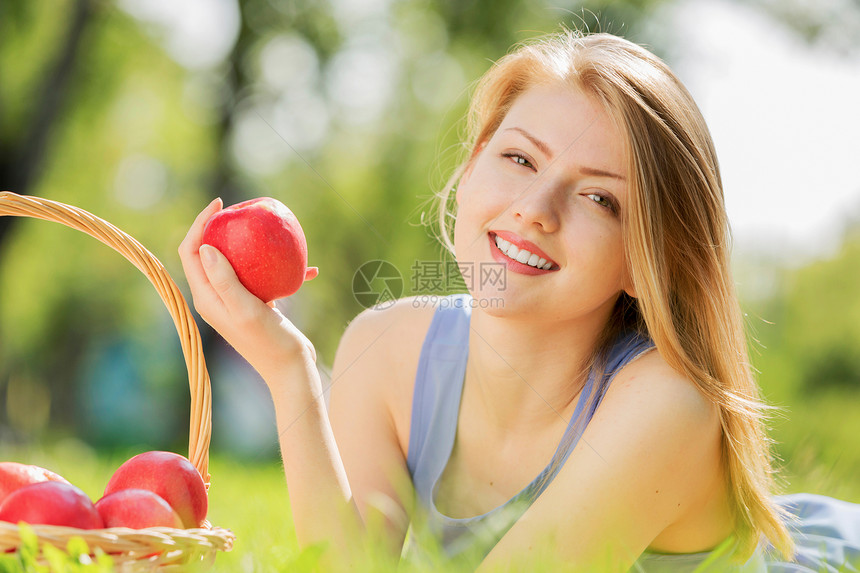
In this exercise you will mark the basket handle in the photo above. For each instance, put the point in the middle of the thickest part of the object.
(200, 429)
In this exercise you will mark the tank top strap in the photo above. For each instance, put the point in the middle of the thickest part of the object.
(438, 388)
(435, 411)
(625, 349)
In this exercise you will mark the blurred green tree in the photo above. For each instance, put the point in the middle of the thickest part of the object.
(818, 317)
(33, 97)
(90, 114)
(349, 112)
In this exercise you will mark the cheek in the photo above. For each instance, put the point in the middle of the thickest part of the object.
(485, 195)
(466, 176)
(462, 224)
(471, 223)
(614, 259)
(473, 201)
(598, 245)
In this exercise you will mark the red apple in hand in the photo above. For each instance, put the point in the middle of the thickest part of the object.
(265, 244)
(168, 475)
(14, 475)
(51, 503)
(137, 509)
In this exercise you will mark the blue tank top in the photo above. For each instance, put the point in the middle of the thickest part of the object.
(825, 530)
(435, 409)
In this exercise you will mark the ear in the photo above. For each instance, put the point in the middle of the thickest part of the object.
(628, 287)
(631, 292)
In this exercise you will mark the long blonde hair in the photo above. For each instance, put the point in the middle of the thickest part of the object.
(676, 237)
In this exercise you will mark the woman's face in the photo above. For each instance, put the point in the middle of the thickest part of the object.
(552, 182)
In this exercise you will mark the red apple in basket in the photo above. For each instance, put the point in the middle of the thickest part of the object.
(265, 244)
(14, 475)
(137, 509)
(168, 475)
(51, 503)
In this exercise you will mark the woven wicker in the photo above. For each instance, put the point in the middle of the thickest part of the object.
(158, 548)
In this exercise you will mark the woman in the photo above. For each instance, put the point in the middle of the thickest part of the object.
(597, 408)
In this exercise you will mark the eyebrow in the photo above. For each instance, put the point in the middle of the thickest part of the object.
(544, 148)
(600, 173)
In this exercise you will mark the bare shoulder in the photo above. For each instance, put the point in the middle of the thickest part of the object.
(377, 359)
(649, 386)
(662, 439)
(665, 410)
(384, 333)
(640, 474)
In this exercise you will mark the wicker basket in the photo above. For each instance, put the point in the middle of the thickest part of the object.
(154, 548)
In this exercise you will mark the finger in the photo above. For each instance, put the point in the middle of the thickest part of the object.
(223, 280)
(190, 257)
(191, 244)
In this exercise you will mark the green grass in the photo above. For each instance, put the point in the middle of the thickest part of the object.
(817, 439)
(249, 498)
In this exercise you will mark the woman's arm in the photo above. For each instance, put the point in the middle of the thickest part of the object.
(371, 388)
(651, 452)
(320, 496)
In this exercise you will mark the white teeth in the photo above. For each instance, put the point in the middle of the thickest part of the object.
(522, 255)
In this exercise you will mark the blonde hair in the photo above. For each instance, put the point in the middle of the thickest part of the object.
(676, 237)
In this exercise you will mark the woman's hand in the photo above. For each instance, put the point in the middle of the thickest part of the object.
(259, 332)
(320, 498)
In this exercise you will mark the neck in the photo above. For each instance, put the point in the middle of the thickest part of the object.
(524, 376)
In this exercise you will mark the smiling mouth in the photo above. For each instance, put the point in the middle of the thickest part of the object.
(522, 256)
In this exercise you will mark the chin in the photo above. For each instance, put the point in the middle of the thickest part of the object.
(498, 303)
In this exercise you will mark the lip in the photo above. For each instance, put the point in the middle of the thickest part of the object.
(524, 244)
(521, 243)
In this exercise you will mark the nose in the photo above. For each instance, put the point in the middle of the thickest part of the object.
(538, 204)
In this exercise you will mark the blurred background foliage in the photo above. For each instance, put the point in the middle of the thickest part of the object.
(349, 111)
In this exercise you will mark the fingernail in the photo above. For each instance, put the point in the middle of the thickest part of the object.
(215, 200)
(207, 255)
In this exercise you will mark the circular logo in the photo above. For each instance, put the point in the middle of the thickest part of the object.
(377, 284)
